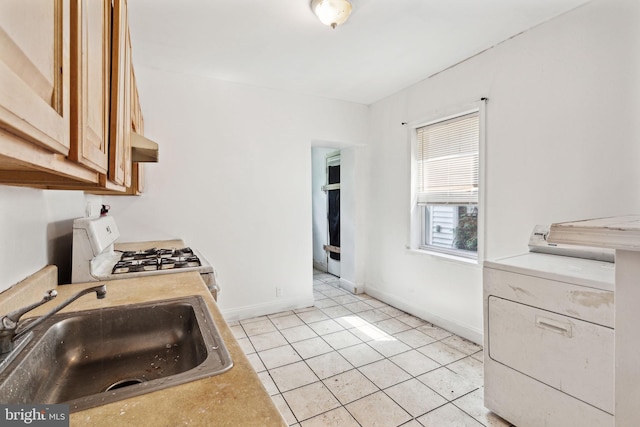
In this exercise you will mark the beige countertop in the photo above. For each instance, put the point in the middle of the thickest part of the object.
(234, 398)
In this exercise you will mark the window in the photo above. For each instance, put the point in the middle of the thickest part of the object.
(447, 184)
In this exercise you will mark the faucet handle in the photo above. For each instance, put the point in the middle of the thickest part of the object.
(15, 315)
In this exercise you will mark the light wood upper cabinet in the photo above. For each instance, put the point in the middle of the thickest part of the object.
(68, 98)
(137, 125)
(120, 139)
(34, 71)
(90, 88)
(137, 121)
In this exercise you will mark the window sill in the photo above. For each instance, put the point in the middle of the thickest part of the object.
(445, 257)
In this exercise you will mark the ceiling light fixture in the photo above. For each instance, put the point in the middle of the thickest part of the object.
(331, 12)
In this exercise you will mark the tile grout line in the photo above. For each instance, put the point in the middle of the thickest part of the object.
(454, 404)
(395, 314)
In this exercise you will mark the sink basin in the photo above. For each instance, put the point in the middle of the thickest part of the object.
(90, 358)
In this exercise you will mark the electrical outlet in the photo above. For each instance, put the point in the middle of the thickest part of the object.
(278, 292)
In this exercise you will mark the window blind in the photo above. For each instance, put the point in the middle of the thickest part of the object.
(448, 161)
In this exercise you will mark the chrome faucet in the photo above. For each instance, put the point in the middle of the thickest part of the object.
(9, 323)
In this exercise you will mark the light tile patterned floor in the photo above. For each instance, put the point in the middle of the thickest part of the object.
(351, 360)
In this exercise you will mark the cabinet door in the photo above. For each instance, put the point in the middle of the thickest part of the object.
(137, 179)
(34, 71)
(120, 126)
(137, 125)
(90, 74)
(137, 122)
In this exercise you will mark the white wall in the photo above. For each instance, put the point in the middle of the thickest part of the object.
(36, 230)
(234, 181)
(562, 144)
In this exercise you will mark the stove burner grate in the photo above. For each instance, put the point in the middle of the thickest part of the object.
(155, 259)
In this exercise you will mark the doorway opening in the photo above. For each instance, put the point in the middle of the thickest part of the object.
(332, 189)
(326, 209)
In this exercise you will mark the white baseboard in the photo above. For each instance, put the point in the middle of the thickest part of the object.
(270, 307)
(465, 331)
(350, 286)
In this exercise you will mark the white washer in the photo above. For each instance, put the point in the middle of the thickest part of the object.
(549, 337)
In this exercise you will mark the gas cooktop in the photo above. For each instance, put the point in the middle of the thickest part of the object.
(155, 259)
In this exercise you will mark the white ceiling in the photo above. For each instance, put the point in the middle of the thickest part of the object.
(385, 46)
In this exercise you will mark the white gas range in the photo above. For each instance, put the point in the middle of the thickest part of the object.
(95, 259)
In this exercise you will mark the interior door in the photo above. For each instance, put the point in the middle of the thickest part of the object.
(333, 214)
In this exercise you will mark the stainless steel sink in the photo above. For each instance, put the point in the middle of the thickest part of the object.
(90, 358)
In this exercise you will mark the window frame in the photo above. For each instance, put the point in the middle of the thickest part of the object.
(430, 247)
(417, 211)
